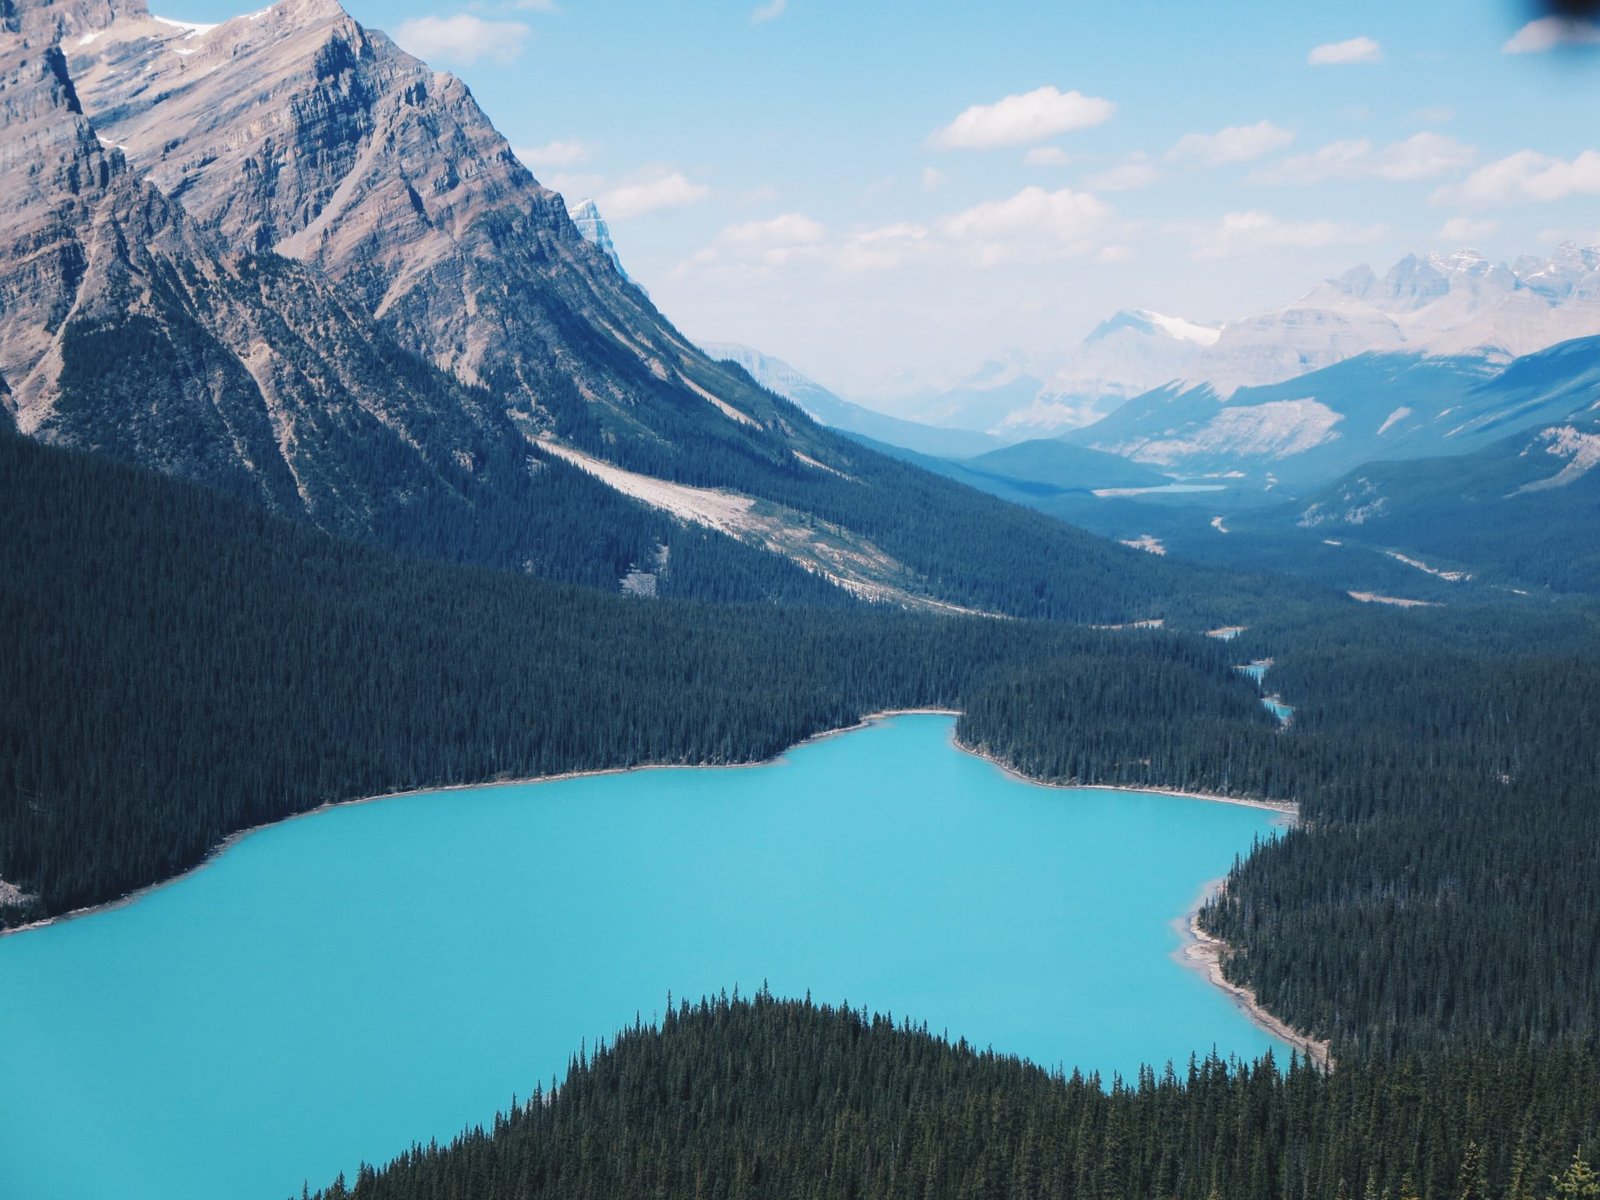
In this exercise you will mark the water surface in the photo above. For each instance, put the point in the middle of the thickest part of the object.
(333, 987)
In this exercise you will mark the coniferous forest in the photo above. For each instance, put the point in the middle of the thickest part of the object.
(192, 667)
(765, 1097)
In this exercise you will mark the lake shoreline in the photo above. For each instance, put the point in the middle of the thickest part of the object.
(1202, 952)
(239, 835)
(1287, 809)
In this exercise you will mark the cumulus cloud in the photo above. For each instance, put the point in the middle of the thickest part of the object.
(1034, 225)
(1255, 232)
(554, 154)
(663, 190)
(462, 38)
(1021, 119)
(933, 179)
(1547, 33)
(1465, 229)
(1046, 156)
(1237, 143)
(1061, 216)
(1354, 50)
(1527, 176)
(1421, 156)
(769, 11)
(1135, 172)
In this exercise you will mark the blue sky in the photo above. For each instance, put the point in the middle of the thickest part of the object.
(799, 175)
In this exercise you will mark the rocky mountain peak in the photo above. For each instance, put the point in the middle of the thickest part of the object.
(44, 22)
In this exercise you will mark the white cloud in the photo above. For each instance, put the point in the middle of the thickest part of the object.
(1033, 212)
(1355, 50)
(543, 6)
(1045, 156)
(554, 154)
(1527, 176)
(1549, 32)
(666, 190)
(1465, 229)
(1021, 119)
(933, 179)
(1243, 233)
(790, 229)
(1028, 226)
(462, 38)
(769, 243)
(1420, 156)
(1136, 172)
(1237, 143)
(769, 11)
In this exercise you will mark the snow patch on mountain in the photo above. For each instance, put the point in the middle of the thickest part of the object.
(1394, 418)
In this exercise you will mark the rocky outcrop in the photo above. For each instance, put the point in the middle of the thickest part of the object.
(126, 329)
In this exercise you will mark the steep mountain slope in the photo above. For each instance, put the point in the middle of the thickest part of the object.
(127, 330)
(298, 130)
(1523, 510)
(823, 406)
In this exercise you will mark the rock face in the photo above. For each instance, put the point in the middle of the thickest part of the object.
(296, 130)
(126, 329)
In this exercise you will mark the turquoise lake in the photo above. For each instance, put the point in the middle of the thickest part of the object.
(335, 987)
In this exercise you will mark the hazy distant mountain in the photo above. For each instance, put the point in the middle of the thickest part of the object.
(822, 405)
(1439, 305)
(1375, 406)
(1125, 355)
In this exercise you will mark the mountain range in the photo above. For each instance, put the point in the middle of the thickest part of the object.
(1456, 306)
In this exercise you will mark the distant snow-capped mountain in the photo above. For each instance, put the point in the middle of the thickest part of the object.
(1460, 304)
(586, 216)
(1125, 355)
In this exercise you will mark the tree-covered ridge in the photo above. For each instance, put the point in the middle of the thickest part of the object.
(182, 667)
(1442, 887)
(773, 1097)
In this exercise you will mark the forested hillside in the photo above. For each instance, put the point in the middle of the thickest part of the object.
(190, 666)
(779, 1098)
(1440, 888)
